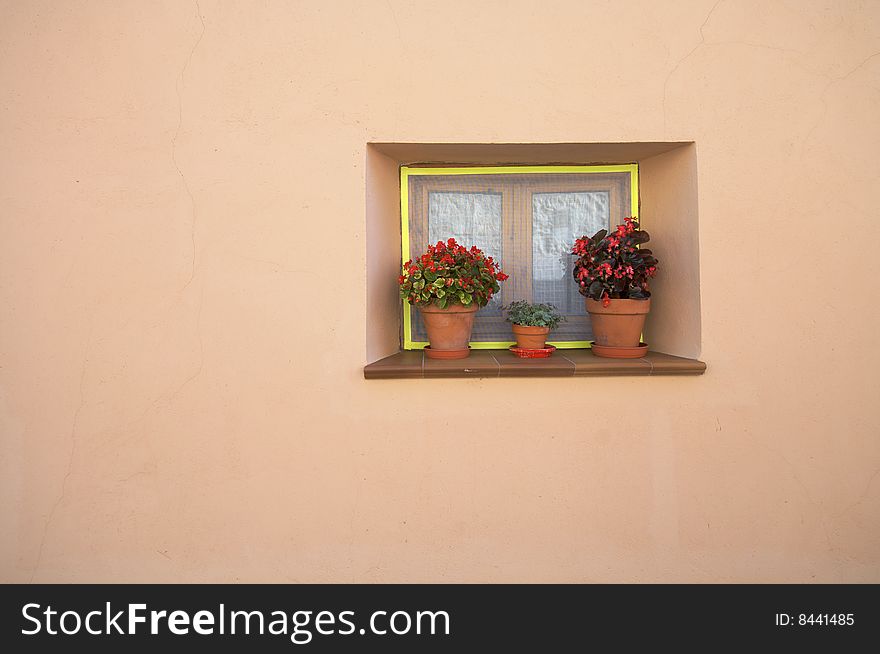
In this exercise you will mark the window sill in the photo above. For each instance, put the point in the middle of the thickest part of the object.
(414, 364)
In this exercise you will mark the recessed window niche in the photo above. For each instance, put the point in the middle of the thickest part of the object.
(667, 208)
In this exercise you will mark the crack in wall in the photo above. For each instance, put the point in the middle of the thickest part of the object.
(862, 497)
(163, 399)
(831, 82)
(73, 441)
(822, 96)
(681, 61)
(192, 201)
(90, 344)
(201, 353)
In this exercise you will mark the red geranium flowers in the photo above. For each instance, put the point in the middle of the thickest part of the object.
(448, 273)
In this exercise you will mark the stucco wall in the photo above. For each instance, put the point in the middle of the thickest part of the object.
(183, 253)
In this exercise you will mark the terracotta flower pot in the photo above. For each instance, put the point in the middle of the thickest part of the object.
(619, 324)
(530, 338)
(449, 330)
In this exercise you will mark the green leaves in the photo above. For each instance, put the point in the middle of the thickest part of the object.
(533, 315)
(450, 272)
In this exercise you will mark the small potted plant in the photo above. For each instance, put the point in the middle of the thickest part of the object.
(532, 323)
(448, 284)
(612, 272)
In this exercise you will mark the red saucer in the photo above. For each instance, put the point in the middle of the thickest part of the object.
(525, 353)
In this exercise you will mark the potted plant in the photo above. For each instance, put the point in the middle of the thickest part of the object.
(448, 284)
(532, 323)
(612, 272)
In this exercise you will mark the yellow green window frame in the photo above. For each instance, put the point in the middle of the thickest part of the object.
(407, 171)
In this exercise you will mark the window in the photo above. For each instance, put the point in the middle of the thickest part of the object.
(526, 217)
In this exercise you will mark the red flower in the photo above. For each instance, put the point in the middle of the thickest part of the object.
(614, 261)
(452, 264)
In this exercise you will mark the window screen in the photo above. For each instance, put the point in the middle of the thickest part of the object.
(526, 218)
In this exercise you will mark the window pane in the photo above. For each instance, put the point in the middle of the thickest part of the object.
(469, 218)
(528, 222)
(557, 220)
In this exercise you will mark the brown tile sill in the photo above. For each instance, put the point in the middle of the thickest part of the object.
(500, 363)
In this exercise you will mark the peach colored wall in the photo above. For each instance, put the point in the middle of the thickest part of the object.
(182, 242)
